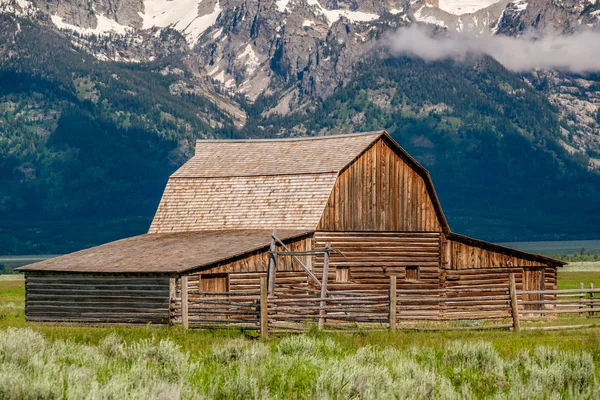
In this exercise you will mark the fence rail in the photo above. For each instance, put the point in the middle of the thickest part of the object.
(338, 311)
(296, 308)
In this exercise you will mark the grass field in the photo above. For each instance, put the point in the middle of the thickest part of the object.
(50, 361)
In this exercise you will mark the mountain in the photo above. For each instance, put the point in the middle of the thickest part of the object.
(101, 100)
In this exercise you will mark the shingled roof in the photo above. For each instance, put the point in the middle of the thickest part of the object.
(270, 157)
(163, 253)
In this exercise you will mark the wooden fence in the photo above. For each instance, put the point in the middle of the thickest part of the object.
(336, 311)
(296, 309)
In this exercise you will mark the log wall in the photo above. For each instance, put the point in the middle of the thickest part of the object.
(380, 191)
(372, 257)
(97, 299)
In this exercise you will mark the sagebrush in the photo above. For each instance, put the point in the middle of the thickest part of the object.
(33, 366)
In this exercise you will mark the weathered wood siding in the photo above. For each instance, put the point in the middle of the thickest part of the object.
(380, 191)
(372, 257)
(457, 255)
(258, 261)
(97, 299)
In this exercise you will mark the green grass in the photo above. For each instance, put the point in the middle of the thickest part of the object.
(12, 295)
(570, 279)
(49, 361)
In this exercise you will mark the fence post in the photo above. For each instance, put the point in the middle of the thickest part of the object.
(512, 288)
(184, 302)
(272, 266)
(264, 308)
(591, 299)
(581, 296)
(393, 300)
(323, 302)
(172, 297)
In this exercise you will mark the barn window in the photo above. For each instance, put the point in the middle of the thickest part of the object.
(412, 273)
(342, 274)
(214, 283)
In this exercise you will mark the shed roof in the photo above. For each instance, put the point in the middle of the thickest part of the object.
(164, 253)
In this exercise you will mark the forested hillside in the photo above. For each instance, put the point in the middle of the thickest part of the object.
(85, 140)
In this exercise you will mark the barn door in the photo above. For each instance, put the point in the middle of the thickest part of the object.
(533, 279)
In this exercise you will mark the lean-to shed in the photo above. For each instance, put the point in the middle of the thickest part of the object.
(361, 192)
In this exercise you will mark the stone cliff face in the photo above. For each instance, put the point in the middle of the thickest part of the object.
(554, 16)
(297, 50)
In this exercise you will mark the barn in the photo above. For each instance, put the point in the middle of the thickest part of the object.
(239, 208)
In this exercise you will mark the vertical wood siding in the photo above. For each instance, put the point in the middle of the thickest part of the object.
(100, 299)
(380, 191)
(457, 255)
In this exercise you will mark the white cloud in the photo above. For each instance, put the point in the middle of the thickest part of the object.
(579, 52)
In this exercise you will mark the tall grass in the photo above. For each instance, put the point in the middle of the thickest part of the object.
(32, 366)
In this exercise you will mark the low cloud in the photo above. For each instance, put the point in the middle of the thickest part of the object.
(576, 53)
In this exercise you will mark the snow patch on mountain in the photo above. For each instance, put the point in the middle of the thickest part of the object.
(428, 19)
(17, 7)
(282, 5)
(251, 60)
(104, 26)
(460, 7)
(182, 15)
(334, 15)
(520, 5)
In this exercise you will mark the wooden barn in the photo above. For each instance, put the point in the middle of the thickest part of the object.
(362, 195)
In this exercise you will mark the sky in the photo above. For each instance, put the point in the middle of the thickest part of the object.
(576, 53)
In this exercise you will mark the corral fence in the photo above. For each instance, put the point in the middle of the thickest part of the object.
(278, 307)
(297, 309)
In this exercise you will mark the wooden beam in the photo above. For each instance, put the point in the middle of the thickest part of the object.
(264, 316)
(591, 299)
(184, 302)
(581, 296)
(304, 267)
(272, 266)
(322, 313)
(513, 302)
(172, 296)
(393, 302)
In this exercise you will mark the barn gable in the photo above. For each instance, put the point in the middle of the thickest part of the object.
(384, 189)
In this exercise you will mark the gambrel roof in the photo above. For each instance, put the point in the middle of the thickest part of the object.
(264, 184)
